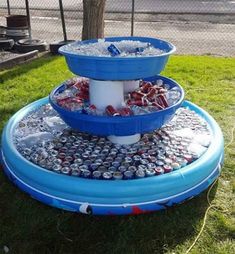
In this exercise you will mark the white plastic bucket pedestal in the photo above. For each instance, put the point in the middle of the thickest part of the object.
(104, 93)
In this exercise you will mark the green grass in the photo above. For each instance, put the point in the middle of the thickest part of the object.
(27, 226)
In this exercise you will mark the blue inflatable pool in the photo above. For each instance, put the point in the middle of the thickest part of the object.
(102, 197)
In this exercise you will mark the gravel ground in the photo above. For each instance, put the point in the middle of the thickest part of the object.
(6, 55)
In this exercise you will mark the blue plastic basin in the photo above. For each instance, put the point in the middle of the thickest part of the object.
(118, 68)
(119, 126)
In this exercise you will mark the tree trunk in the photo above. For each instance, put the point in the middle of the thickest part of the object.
(93, 19)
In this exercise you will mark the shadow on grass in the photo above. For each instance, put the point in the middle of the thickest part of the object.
(54, 231)
(18, 70)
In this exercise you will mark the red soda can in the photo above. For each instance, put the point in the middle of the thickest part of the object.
(188, 157)
(78, 84)
(136, 95)
(70, 83)
(167, 168)
(162, 90)
(84, 88)
(91, 110)
(151, 94)
(92, 107)
(164, 100)
(158, 106)
(83, 96)
(159, 170)
(111, 111)
(125, 111)
(76, 100)
(64, 101)
(146, 86)
(137, 102)
(161, 100)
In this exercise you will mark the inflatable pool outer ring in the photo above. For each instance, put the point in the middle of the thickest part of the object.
(112, 197)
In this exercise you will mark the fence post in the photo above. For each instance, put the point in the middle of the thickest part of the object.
(132, 17)
(63, 20)
(28, 18)
(8, 7)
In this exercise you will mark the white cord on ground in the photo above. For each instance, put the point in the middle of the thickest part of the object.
(58, 229)
(232, 137)
(204, 220)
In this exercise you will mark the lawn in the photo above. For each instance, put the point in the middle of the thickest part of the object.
(27, 226)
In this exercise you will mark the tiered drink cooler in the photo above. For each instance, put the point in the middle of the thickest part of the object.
(109, 78)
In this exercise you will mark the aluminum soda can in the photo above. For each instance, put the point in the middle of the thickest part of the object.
(68, 158)
(145, 86)
(175, 165)
(74, 166)
(137, 102)
(136, 95)
(132, 168)
(159, 163)
(78, 161)
(111, 111)
(102, 169)
(128, 159)
(150, 172)
(144, 162)
(86, 173)
(117, 175)
(57, 161)
(107, 175)
(151, 165)
(56, 168)
(96, 174)
(99, 161)
(188, 157)
(94, 166)
(136, 158)
(181, 161)
(167, 168)
(116, 164)
(152, 159)
(65, 170)
(65, 164)
(140, 173)
(106, 164)
(128, 175)
(114, 51)
(142, 167)
(159, 170)
(87, 162)
(112, 169)
(139, 50)
(61, 156)
(83, 167)
(125, 164)
(168, 161)
(152, 93)
(75, 172)
(125, 111)
(122, 168)
(118, 159)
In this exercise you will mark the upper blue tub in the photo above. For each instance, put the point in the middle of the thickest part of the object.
(118, 68)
